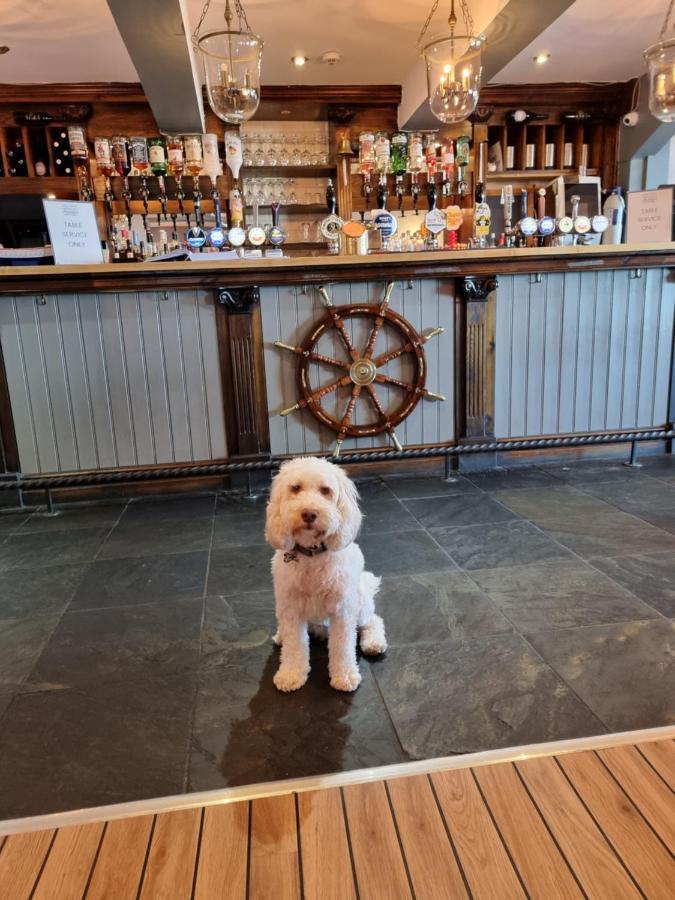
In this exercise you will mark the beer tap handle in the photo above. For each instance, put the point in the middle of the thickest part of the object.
(431, 194)
(415, 191)
(523, 203)
(382, 192)
(541, 203)
(400, 193)
(126, 196)
(331, 200)
(575, 200)
(162, 200)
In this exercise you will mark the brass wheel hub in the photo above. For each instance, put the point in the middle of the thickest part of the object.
(362, 371)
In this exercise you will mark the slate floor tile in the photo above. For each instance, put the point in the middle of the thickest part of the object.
(246, 731)
(237, 531)
(463, 509)
(120, 582)
(233, 506)
(520, 478)
(403, 553)
(21, 642)
(237, 569)
(501, 544)
(126, 643)
(408, 487)
(648, 499)
(382, 515)
(559, 594)
(555, 507)
(591, 470)
(50, 548)
(11, 521)
(142, 537)
(650, 577)
(193, 506)
(625, 673)
(660, 465)
(444, 606)
(74, 516)
(373, 489)
(103, 743)
(6, 697)
(38, 590)
(613, 535)
(493, 692)
(236, 623)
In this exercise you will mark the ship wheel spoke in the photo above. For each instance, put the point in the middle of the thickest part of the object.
(347, 418)
(387, 379)
(379, 321)
(384, 358)
(329, 388)
(315, 357)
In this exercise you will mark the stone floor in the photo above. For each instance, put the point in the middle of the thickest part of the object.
(521, 605)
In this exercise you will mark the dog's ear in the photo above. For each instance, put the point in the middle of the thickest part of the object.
(350, 514)
(275, 535)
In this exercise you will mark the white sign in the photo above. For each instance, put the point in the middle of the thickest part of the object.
(73, 231)
(650, 216)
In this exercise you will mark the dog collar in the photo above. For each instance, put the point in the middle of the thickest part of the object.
(292, 555)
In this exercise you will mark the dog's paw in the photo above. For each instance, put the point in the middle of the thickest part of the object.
(289, 679)
(372, 646)
(347, 680)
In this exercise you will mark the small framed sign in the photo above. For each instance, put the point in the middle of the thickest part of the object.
(650, 216)
(73, 231)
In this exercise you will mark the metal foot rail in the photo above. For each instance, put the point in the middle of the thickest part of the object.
(50, 482)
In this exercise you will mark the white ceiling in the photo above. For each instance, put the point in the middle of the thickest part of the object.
(596, 40)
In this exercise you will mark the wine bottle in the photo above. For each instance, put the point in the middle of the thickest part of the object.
(578, 116)
(523, 116)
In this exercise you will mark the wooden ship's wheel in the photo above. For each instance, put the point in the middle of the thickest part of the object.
(362, 370)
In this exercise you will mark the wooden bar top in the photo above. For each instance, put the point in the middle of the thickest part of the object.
(327, 268)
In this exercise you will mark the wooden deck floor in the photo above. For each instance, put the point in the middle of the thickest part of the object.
(597, 824)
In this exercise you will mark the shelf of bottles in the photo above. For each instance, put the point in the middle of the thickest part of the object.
(37, 152)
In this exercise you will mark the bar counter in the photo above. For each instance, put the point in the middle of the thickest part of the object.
(145, 365)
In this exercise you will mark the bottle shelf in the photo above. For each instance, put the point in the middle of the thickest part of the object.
(62, 186)
(288, 171)
(534, 174)
(295, 208)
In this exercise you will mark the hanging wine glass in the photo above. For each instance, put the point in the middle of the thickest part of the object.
(284, 154)
(296, 152)
(247, 153)
(271, 152)
(259, 154)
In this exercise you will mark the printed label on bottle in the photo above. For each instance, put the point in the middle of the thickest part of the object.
(415, 153)
(77, 141)
(157, 154)
(175, 154)
(382, 149)
(139, 151)
(102, 150)
(193, 149)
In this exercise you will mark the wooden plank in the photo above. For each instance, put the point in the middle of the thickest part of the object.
(661, 754)
(542, 867)
(20, 862)
(119, 865)
(380, 868)
(221, 872)
(431, 861)
(482, 856)
(642, 852)
(275, 863)
(645, 788)
(326, 866)
(173, 851)
(600, 873)
(69, 863)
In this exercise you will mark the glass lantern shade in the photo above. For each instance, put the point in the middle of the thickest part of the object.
(661, 61)
(454, 72)
(232, 68)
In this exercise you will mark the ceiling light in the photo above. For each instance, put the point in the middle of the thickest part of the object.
(330, 57)
(541, 58)
(660, 58)
(299, 59)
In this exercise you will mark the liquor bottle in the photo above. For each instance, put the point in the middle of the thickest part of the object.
(175, 156)
(482, 217)
(523, 116)
(382, 153)
(38, 142)
(120, 154)
(430, 158)
(399, 153)
(79, 152)
(448, 166)
(140, 159)
(415, 165)
(233, 153)
(212, 166)
(193, 154)
(157, 155)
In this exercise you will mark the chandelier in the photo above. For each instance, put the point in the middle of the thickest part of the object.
(660, 59)
(232, 59)
(453, 63)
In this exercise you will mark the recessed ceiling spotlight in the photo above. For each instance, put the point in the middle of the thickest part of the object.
(285, 112)
(541, 58)
(4, 49)
(299, 59)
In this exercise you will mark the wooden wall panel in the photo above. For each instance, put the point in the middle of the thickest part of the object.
(583, 351)
(113, 379)
(288, 315)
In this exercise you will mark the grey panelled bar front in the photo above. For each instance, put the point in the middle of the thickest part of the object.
(289, 313)
(113, 379)
(583, 351)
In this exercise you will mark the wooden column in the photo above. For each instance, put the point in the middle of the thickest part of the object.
(242, 370)
(476, 357)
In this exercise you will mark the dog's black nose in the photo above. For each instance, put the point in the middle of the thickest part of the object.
(308, 516)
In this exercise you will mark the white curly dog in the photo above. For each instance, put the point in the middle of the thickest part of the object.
(319, 580)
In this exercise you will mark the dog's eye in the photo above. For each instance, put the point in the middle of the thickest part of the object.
(326, 491)
(296, 488)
